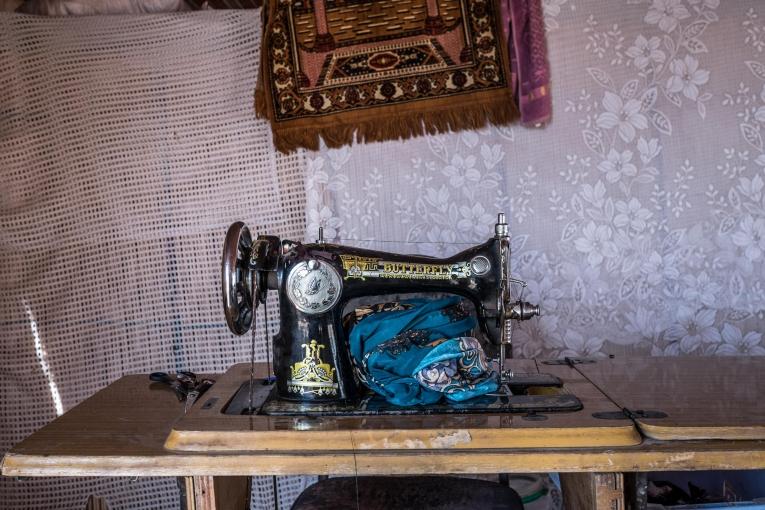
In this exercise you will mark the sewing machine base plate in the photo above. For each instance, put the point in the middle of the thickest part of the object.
(208, 428)
(266, 402)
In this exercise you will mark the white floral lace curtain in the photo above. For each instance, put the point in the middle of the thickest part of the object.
(637, 215)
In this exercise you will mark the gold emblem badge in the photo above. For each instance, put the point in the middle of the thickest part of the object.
(312, 375)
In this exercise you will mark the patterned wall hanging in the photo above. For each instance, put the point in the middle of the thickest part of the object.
(382, 69)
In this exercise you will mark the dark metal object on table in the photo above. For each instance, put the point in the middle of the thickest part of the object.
(628, 414)
(311, 358)
(186, 385)
(267, 401)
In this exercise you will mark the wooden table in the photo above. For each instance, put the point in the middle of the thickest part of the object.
(121, 431)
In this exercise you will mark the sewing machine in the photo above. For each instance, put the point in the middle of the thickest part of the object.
(314, 371)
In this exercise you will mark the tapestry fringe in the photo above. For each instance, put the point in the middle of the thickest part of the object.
(261, 110)
(399, 127)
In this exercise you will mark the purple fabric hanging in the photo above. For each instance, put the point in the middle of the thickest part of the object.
(524, 28)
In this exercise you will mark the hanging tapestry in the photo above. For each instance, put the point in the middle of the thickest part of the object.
(382, 69)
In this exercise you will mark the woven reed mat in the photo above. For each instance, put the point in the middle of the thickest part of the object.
(384, 69)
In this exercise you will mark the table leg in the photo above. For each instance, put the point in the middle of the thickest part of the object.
(596, 491)
(217, 492)
(636, 491)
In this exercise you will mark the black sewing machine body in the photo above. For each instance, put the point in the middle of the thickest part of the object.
(355, 273)
(312, 363)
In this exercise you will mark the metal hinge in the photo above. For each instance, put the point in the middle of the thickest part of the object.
(628, 414)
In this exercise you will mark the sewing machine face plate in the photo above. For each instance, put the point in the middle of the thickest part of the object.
(265, 401)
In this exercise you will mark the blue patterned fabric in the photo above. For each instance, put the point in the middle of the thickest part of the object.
(416, 352)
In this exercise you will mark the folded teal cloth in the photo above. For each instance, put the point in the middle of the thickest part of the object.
(416, 352)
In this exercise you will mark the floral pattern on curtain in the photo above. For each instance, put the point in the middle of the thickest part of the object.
(637, 215)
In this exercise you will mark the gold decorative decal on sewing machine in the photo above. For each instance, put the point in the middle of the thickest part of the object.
(312, 375)
(366, 267)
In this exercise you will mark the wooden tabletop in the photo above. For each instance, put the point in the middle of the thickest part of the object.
(121, 431)
(695, 397)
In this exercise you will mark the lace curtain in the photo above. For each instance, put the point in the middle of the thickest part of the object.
(637, 215)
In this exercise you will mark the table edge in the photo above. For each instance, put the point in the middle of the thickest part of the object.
(380, 463)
